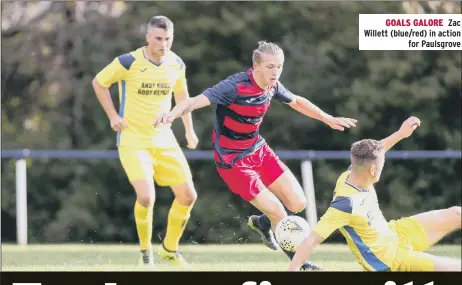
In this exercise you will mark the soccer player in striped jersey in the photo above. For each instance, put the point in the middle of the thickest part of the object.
(243, 159)
(146, 78)
(379, 245)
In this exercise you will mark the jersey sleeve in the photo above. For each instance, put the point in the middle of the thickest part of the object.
(115, 71)
(337, 215)
(283, 95)
(223, 93)
(181, 84)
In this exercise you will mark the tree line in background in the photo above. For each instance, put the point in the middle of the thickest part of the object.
(52, 50)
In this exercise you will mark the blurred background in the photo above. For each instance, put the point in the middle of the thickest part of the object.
(52, 50)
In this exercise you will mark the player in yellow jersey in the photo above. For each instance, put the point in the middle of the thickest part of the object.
(146, 78)
(379, 245)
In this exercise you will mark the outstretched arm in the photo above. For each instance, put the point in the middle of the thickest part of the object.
(184, 107)
(336, 216)
(304, 251)
(307, 108)
(406, 129)
(223, 93)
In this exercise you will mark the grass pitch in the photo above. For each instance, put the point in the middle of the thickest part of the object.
(250, 257)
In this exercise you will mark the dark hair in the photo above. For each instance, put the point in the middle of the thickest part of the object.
(161, 22)
(365, 151)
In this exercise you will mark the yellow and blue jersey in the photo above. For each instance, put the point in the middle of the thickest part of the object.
(356, 213)
(145, 91)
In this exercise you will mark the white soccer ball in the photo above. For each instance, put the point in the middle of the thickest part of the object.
(291, 232)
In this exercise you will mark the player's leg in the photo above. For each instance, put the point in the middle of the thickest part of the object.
(285, 186)
(274, 211)
(138, 167)
(282, 182)
(411, 260)
(442, 263)
(289, 191)
(278, 178)
(246, 179)
(245, 182)
(178, 216)
(270, 206)
(261, 223)
(172, 169)
(438, 223)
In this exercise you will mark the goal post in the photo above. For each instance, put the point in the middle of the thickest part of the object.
(308, 187)
(21, 201)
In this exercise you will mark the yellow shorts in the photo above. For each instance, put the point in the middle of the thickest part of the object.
(413, 241)
(167, 165)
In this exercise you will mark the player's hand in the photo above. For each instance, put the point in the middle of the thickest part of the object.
(340, 123)
(118, 123)
(163, 119)
(192, 139)
(408, 126)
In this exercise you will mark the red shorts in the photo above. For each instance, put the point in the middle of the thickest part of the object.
(254, 173)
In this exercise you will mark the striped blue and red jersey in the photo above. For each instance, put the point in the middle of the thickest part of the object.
(241, 106)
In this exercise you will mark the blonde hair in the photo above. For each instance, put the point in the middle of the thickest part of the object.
(266, 47)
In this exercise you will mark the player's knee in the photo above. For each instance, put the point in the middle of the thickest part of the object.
(190, 197)
(145, 194)
(145, 199)
(298, 205)
(186, 194)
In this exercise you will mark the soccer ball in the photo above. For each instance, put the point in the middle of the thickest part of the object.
(291, 232)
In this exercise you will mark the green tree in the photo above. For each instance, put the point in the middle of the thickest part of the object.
(51, 53)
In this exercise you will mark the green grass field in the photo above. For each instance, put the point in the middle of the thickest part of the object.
(201, 257)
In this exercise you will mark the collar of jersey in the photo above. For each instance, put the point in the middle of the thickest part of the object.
(351, 185)
(146, 57)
